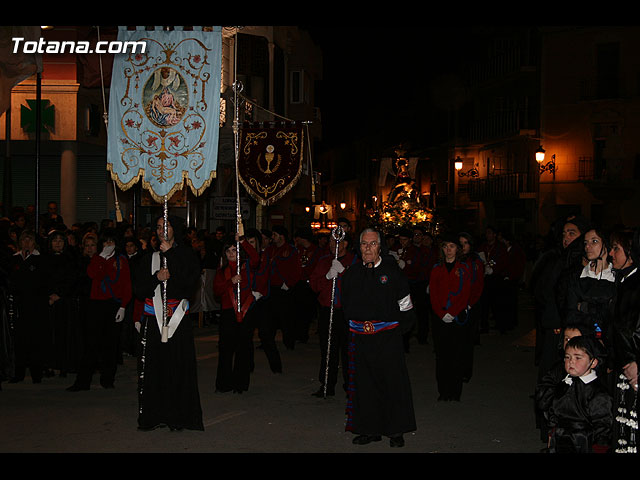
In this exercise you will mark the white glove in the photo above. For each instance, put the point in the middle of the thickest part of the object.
(138, 326)
(394, 255)
(257, 295)
(120, 315)
(448, 318)
(427, 289)
(488, 270)
(401, 263)
(107, 251)
(337, 265)
(331, 274)
(284, 287)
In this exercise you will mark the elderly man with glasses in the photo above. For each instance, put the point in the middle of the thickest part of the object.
(377, 304)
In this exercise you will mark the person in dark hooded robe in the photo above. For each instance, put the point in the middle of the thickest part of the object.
(168, 386)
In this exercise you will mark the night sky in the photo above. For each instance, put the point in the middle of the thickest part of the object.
(379, 82)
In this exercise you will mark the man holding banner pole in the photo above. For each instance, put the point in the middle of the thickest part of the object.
(169, 394)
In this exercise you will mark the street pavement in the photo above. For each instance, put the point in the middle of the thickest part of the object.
(278, 414)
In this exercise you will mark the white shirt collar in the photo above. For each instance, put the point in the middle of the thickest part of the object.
(376, 264)
(606, 274)
(586, 378)
(19, 252)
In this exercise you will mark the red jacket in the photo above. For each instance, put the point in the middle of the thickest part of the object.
(516, 262)
(224, 288)
(284, 266)
(497, 253)
(417, 263)
(110, 279)
(476, 270)
(449, 291)
(322, 286)
(308, 260)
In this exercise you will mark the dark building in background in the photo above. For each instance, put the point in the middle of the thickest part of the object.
(279, 68)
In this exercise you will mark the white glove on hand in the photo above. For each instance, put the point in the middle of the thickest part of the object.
(394, 255)
(257, 295)
(488, 270)
(448, 318)
(138, 326)
(284, 286)
(107, 251)
(401, 263)
(120, 315)
(331, 274)
(337, 265)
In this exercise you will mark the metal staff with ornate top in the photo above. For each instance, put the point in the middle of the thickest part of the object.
(165, 322)
(338, 235)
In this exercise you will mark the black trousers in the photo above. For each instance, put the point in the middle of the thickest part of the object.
(451, 341)
(100, 343)
(306, 308)
(32, 338)
(263, 321)
(282, 315)
(338, 354)
(234, 352)
(422, 307)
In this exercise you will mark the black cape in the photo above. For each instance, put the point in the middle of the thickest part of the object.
(169, 393)
(380, 398)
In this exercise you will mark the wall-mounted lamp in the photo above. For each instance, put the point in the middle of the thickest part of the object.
(307, 209)
(472, 172)
(550, 166)
(343, 205)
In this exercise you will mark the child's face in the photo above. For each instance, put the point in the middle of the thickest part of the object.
(578, 362)
(569, 333)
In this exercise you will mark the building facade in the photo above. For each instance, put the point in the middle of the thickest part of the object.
(278, 68)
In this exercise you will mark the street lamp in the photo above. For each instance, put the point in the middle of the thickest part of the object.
(473, 171)
(549, 166)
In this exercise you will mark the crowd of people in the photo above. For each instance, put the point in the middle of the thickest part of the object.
(76, 299)
(587, 309)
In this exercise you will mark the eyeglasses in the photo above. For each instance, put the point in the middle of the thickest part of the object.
(368, 244)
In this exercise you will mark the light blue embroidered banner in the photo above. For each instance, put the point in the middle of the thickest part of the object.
(164, 109)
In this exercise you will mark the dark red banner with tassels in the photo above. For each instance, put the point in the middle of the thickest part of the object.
(270, 159)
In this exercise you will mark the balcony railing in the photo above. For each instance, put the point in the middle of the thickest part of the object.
(508, 186)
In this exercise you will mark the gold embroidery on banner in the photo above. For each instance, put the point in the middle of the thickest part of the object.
(292, 139)
(161, 149)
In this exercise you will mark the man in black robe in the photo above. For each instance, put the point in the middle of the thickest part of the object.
(377, 305)
(169, 394)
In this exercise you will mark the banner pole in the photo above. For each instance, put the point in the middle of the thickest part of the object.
(338, 235)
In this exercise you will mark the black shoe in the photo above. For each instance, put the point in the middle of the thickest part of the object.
(365, 439)
(76, 388)
(397, 441)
